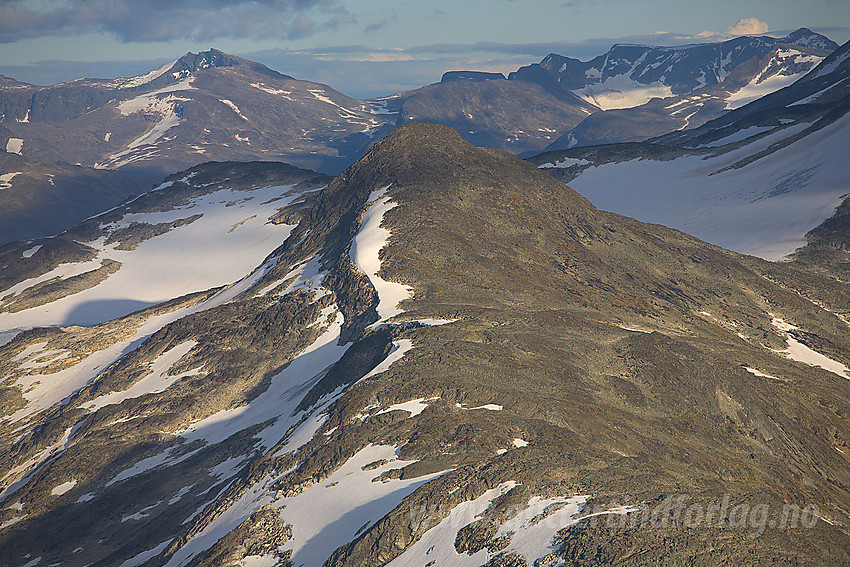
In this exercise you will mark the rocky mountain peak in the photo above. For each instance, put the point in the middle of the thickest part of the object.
(206, 59)
(212, 59)
(805, 37)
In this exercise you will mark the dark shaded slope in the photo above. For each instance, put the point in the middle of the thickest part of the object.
(516, 116)
(45, 198)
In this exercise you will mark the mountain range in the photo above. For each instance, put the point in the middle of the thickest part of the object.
(754, 180)
(651, 91)
(215, 106)
(203, 107)
(212, 106)
(443, 355)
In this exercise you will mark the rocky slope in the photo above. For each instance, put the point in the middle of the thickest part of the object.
(451, 360)
(755, 180)
(515, 116)
(204, 106)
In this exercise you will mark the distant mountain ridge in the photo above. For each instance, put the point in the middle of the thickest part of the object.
(659, 70)
(216, 106)
(204, 106)
(755, 180)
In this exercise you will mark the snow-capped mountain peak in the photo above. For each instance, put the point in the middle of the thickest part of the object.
(805, 37)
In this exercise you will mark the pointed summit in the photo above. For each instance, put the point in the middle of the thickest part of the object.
(804, 37)
(212, 59)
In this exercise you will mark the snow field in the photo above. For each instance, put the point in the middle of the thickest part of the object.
(801, 353)
(197, 256)
(365, 251)
(764, 208)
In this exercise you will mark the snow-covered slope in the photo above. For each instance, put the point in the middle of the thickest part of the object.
(205, 228)
(763, 208)
(754, 180)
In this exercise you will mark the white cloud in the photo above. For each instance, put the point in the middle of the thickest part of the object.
(748, 26)
(745, 26)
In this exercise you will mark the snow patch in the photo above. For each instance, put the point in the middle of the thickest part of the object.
(397, 351)
(154, 382)
(140, 514)
(150, 99)
(332, 512)
(365, 254)
(490, 407)
(144, 79)
(760, 85)
(6, 179)
(620, 91)
(414, 407)
(28, 253)
(11, 522)
(63, 488)
(180, 494)
(234, 108)
(738, 136)
(43, 391)
(281, 398)
(535, 528)
(564, 163)
(801, 353)
(259, 561)
(833, 65)
(144, 556)
(14, 145)
(760, 373)
(815, 96)
(436, 546)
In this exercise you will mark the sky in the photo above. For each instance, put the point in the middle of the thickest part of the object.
(368, 48)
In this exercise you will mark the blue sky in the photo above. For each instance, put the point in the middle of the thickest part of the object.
(372, 47)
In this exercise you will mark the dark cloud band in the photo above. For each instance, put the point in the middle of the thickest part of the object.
(164, 20)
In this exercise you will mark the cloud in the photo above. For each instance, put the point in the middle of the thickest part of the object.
(376, 26)
(165, 20)
(373, 56)
(746, 26)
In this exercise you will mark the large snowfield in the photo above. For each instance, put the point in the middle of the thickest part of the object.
(226, 243)
(764, 208)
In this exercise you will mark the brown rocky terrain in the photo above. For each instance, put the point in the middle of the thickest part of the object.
(546, 350)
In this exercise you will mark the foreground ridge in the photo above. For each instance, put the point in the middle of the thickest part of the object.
(452, 357)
